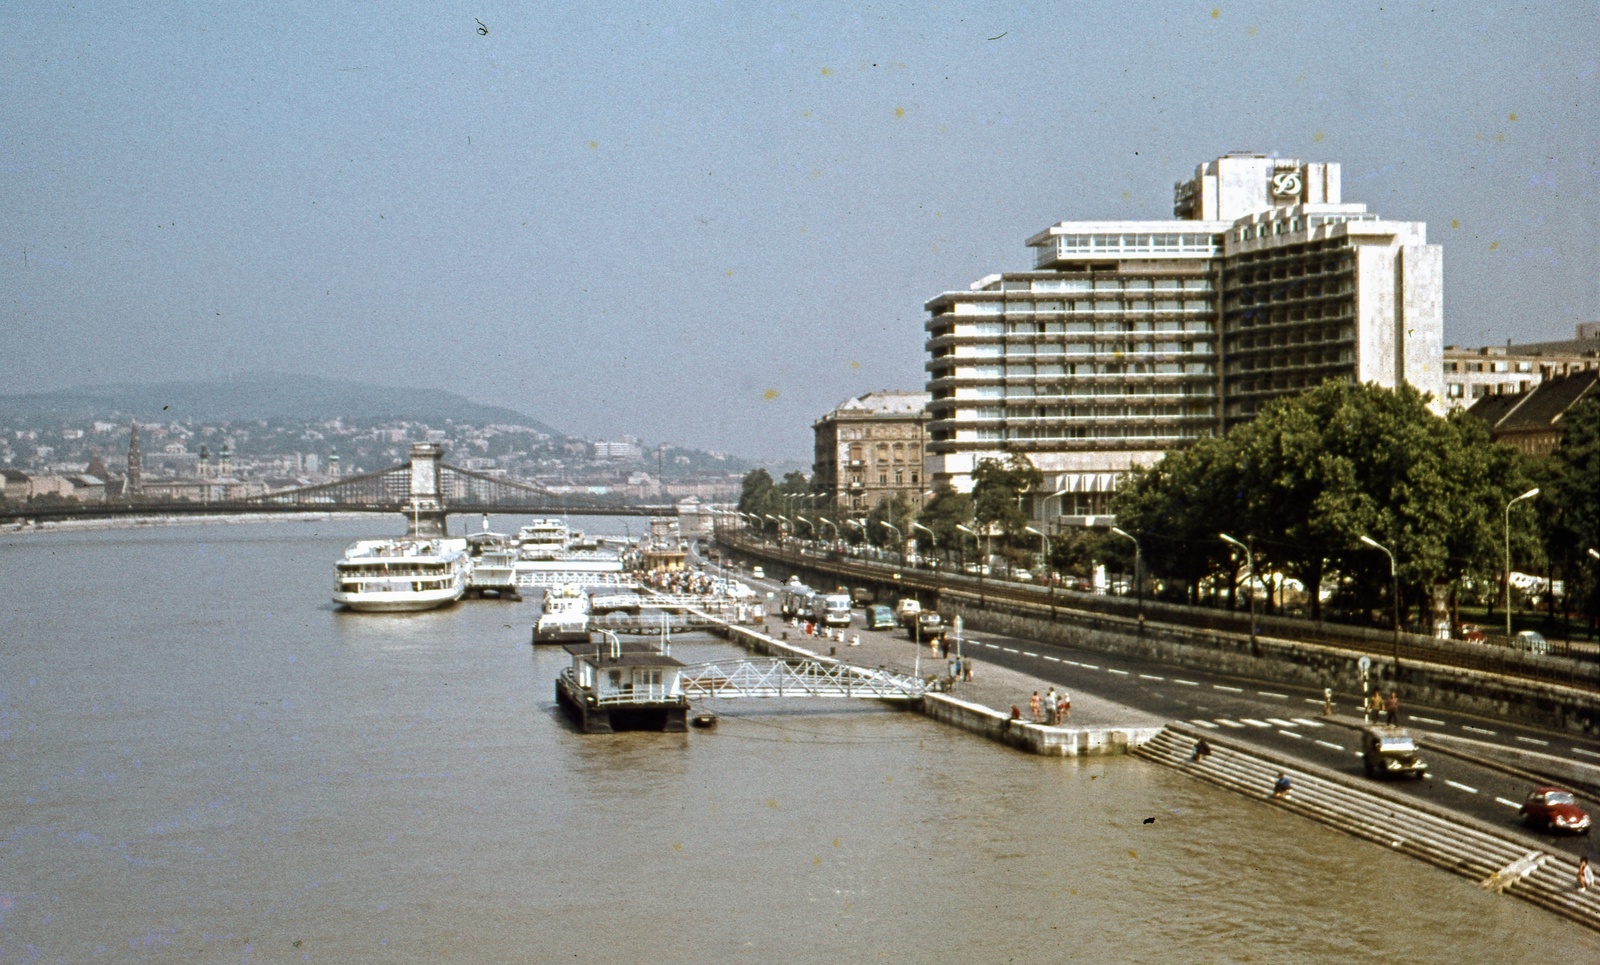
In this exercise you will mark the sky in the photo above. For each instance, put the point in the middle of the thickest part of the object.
(707, 224)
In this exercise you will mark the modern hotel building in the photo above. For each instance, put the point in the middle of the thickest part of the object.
(1130, 338)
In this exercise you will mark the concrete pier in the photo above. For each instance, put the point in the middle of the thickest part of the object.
(981, 705)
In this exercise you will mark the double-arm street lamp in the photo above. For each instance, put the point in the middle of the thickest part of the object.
(982, 563)
(933, 541)
(1138, 585)
(1250, 561)
(1394, 577)
(1044, 549)
(900, 537)
(1527, 495)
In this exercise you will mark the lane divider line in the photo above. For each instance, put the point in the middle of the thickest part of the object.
(1509, 804)
(1428, 720)
(1029, 653)
(1009, 649)
(1533, 740)
(1208, 725)
(1191, 683)
(1256, 723)
(1150, 676)
(1290, 733)
(1230, 723)
(1337, 747)
(1052, 659)
(1231, 690)
(1476, 730)
(1268, 693)
(1089, 666)
(1308, 723)
(1579, 750)
(1462, 787)
(1116, 671)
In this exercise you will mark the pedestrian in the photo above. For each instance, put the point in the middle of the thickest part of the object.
(1375, 704)
(1033, 707)
(1392, 708)
(1202, 750)
(966, 669)
(1585, 874)
(1064, 706)
(1281, 787)
(1050, 707)
(1327, 701)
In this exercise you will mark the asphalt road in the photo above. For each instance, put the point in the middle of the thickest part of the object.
(1287, 718)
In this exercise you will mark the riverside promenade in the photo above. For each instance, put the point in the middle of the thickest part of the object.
(983, 704)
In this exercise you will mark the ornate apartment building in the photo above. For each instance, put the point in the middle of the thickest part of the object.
(871, 447)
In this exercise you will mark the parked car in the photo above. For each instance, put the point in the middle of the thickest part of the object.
(1554, 809)
(927, 626)
(880, 618)
(758, 573)
(1531, 641)
(1389, 751)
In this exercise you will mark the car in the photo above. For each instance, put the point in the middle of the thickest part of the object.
(1554, 809)
(928, 625)
(758, 573)
(1388, 751)
(880, 618)
(1530, 640)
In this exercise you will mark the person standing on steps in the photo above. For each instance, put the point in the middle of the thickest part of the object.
(1282, 787)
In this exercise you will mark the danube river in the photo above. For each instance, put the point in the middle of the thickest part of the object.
(202, 760)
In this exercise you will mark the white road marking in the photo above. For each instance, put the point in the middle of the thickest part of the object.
(1337, 747)
(1509, 804)
(1476, 730)
(1280, 722)
(1208, 725)
(1029, 653)
(1426, 720)
(1008, 649)
(1230, 723)
(1186, 683)
(1290, 733)
(989, 645)
(1053, 659)
(1231, 690)
(1089, 666)
(1311, 700)
(1533, 740)
(1255, 723)
(1308, 723)
(1075, 663)
(1268, 693)
(1116, 671)
(1462, 787)
(1150, 676)
(1579, 750)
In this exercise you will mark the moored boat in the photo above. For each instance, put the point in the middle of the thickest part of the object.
(398, 575)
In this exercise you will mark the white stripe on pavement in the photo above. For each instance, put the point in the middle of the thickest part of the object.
(1008, 649)
(1476, 730)
(1509, 804)
(1308, 723)
(1150, 676)
(1053, 659)
(1255, 723)
(1337, 747)
(1230, 723)
(1208, 725)
(1425, 720)
(1116, 671)
(1579, 750)
(1268, 693)
(1462, 787)
(1233, 690)
(1290, 733)
(1089, 666)
(1533, 740)
(1186, 683)
(1280, 722)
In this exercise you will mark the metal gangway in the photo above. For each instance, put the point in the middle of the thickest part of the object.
(526, 577)
(798, 678)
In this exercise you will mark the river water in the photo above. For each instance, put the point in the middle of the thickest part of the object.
(202, 760)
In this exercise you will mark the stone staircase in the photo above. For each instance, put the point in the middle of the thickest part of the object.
(1499, 859)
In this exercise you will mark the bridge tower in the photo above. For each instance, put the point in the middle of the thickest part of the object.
(425, 513)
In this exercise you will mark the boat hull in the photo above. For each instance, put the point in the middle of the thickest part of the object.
(402, 602)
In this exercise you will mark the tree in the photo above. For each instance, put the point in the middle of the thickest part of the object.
(1571, 504)
(997, 492)
(897, 512)
(943, 513)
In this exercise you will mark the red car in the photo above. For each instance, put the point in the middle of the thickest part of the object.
(1554, 810)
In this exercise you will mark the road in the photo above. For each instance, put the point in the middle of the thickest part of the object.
(1287, 718)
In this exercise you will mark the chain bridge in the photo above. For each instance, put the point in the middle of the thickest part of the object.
(798, 678)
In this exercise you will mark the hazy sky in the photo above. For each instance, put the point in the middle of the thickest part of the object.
(710, 223)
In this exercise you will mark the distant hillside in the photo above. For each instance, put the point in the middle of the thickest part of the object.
(258, 396)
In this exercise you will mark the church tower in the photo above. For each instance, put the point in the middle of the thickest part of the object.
(133, 482)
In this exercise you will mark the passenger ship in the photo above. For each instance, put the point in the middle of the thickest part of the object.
(393, 575)
(543, 539)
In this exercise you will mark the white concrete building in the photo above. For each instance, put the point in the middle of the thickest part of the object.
(1134, 337)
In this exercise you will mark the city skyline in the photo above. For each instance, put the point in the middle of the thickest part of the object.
(713, 225)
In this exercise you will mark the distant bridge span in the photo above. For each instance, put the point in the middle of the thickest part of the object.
(426, 490)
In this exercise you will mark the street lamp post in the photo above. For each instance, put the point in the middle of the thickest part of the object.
(982, 564)
(933, 541)
(1250, 561)
(899, 537)
(1394, 576)
(1527, 495)
(1138, 584)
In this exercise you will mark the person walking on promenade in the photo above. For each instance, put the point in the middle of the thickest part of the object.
(1050, 707)
(966, 668)
(1282, 787)
(1063, 706)
(1392, 708)
(1375, 705)
(1202, 750)
(1585, 874)
(1033, 707)
(1327, 701)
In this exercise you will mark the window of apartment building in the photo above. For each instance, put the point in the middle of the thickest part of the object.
(883, 479)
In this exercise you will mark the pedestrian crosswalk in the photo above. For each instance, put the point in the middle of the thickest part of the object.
(1283, 726)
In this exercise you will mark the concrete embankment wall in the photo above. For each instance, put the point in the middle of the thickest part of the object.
(977, 718)
(1275, 658)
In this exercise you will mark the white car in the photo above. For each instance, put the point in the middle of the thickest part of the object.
(758, 573)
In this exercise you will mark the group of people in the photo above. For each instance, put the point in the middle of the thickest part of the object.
(1052, 708)
(1388, 708)
(679, 581)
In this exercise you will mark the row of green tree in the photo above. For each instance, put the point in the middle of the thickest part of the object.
(1301, 485)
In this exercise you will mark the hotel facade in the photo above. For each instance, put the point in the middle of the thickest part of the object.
(1130, 338)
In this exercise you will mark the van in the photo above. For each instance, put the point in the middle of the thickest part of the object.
(906, 611)
(831, 609)
(1389, 751)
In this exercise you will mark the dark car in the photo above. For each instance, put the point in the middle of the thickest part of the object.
(880, 618)
(1554, 809)
(929, 624)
